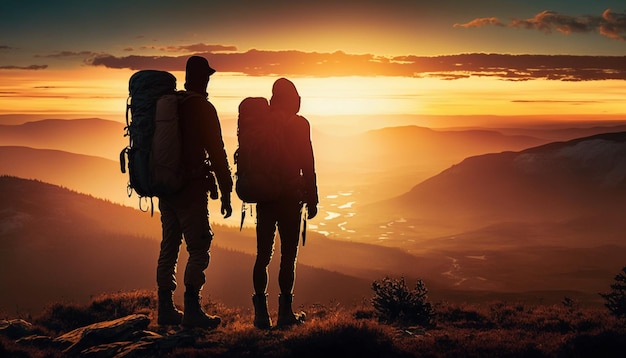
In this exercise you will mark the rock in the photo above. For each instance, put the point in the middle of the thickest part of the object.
(118, 330)
(152, 344)
(16, 328)
(38, 341)
(125, 337)
(106, 350)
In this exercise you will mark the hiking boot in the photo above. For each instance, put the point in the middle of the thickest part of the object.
(261, 316)
(194, 315)
(286, 317)
(167, 312)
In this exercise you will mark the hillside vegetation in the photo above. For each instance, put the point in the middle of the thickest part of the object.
(495, 329)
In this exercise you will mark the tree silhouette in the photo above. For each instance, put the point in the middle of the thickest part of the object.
(616, 299)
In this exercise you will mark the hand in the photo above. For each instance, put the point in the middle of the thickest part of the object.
(312, 210)
(227, 209)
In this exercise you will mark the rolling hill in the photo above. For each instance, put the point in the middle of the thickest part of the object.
(89, 136)
(91, 175)
(554, 182)
(57, 244)
(374, 165)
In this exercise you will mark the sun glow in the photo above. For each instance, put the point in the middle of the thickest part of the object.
(95, 91)
(360, 95)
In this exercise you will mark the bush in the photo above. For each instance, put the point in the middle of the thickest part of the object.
(394, 302)
(616, 299)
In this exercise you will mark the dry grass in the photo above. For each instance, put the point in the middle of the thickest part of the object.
(499, 329)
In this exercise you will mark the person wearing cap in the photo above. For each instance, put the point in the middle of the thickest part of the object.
(299, 193)
(185, 213)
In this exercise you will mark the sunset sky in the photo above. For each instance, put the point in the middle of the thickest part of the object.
(547, 59)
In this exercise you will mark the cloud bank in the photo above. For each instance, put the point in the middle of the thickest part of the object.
(609, 24)
(31, 67)
(298, 63)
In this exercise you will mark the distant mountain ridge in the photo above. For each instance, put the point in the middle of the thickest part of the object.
(89, 136)
(91, 175)
(376, 162)
(556, 181)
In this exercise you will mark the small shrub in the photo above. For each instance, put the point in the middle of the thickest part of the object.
(394, 302)
(570, 304)
(616, 299)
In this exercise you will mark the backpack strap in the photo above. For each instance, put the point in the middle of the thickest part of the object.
(305, 213)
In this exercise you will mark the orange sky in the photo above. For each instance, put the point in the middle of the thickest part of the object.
(411, 58)
(102, 92)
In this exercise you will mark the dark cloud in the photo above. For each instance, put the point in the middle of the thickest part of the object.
(614, 25)
(5, 47)
(137, 62)
(199, 47)
(63, 54)
(31, 67)
(297, 63)
(480, 22)
(258, 63)
(609, 24)
(548, 21)
(523, 67)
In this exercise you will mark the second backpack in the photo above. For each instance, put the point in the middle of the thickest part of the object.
(259, 153)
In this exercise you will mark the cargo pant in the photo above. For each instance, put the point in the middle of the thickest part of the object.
(184, 215)
(286, 215)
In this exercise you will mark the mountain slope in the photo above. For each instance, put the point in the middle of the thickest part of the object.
(552, 182)
(87, 174)
(61, 245)
(89, 136)
(545, 219)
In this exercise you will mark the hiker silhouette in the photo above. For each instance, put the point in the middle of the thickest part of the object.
(298, 196)
(185, 213)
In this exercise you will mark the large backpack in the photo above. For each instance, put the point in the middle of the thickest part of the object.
(152, 124)
(260, 156)
(259, 152)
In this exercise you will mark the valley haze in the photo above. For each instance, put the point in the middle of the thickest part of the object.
(521, 213)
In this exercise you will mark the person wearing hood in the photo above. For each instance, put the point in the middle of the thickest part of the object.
(184, 214)
(299, 193)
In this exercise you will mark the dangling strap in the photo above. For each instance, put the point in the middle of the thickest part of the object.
(140, 204)
(128, 100)
(151, 205)
(123, 155)
(243, 214)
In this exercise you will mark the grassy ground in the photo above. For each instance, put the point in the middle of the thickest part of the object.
(495, 329)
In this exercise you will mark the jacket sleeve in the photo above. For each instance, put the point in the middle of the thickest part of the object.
(213, 143)
(307, 161)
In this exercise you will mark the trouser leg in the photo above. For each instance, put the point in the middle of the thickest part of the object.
(170, 246)
(265, 232)
(198, 235)
(289, 230)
